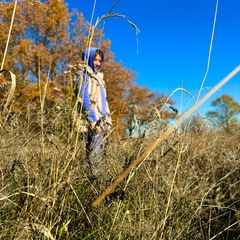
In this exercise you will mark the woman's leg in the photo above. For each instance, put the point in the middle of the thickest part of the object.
(94, 150)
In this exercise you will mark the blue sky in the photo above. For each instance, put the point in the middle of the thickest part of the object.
(173, 44)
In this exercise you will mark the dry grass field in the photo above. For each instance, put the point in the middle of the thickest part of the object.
(187, 187)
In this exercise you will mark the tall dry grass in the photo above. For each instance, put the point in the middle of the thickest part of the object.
(46, 196)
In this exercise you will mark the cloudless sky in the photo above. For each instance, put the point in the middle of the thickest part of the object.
(173, 44)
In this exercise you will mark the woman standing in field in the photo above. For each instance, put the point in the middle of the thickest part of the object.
(91, 92)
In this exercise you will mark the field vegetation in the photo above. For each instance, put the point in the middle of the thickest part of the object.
(157, 180)
(187, 188)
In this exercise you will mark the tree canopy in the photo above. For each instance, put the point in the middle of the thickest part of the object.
(225, 113)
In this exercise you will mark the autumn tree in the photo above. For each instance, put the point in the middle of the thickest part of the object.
(37, 34)
(45, 38)
(42, 43)
(134, 107)
(142, 108)
(225, 113)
